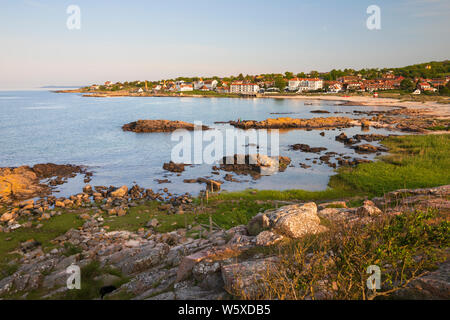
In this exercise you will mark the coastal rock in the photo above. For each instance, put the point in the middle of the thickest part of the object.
(121, 192)
(24, 182)
(160, 126)
(174, 167)
(368, 148)
(292, 123)
(368, 209)
(293, 221)
(268, 238)
(307, 148)
(7, 216)
(255, 165)
(296, 221)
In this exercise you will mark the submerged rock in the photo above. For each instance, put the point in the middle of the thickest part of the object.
(307, 148)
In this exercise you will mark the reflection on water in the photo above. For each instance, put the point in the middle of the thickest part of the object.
(40, 127)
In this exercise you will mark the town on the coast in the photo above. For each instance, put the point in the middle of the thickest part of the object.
(423, 79)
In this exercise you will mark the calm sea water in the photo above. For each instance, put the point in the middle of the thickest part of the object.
(41, 126)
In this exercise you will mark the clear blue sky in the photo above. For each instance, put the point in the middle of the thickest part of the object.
(131, 40)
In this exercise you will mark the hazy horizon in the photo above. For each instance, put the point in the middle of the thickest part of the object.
(151, 40)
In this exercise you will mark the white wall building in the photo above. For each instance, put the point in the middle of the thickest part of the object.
(185, 87)
(305, 84)
(244, 88)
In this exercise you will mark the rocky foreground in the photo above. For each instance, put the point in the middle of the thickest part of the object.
(142, 126)
(220, 264)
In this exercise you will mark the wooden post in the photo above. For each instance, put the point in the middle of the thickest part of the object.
(210, 224)
(207, 196)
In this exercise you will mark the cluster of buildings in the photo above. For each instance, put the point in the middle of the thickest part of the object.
(387, 82)
(355, 83)
(239, 87)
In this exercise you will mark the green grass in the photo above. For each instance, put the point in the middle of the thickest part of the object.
(328, 194)
(415, 161)
(51, 229)
(224, 214)
(418, 161)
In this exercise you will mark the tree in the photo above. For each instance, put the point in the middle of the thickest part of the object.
(314, 74)
(407, 85)
(288, 75)
(280, 83)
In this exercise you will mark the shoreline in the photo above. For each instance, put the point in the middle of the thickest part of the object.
(434, 108)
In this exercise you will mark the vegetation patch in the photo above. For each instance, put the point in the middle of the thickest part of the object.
(418, 161)
(334, 265)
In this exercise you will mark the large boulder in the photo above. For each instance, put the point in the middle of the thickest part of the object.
(368, 209)
(19, 183)
(120, 193)
(293, 221)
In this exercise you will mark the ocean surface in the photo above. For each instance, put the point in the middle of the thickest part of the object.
(42, 126)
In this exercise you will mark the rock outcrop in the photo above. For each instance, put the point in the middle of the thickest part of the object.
(25, 182)
(174, 167)
(293, 123)
(294, 221)
(160, 126)
(255, 165)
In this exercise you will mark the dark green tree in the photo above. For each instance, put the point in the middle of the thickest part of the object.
(407, 85)
(280, 83)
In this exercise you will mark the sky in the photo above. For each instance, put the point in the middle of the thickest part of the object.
(151, 40)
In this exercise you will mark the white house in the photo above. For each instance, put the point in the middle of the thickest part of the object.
(294, 84)
(335, 88)
(185, 87)
(210, 84)
(305, 84)
(244, 88)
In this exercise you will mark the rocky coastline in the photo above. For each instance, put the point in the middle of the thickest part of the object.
(222, 264)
